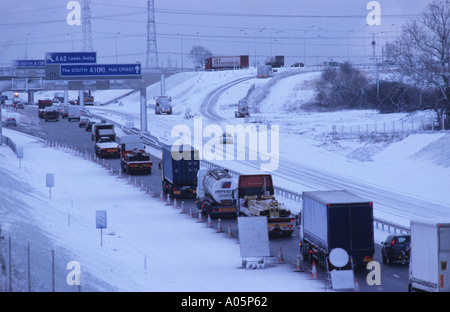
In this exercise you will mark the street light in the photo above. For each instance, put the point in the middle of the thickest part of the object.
(181, 36)
(348, 44)
(117, 35)
(26, 45)
(256, 56)
(71, 39)
(304, 43)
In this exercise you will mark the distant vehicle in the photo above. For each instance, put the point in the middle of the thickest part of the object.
(42, 104)
(8, 103)
(20, 105)
(3, 97)
(88, 99)
(227, 138)
(298, 64)
(58, 97)
(83, 122)
(89, 125)
(226, 62)
(104, 137)
(179, 176)
(16, 101)
(336, 219)
(396, 248)
(242, 109)
(51, 114)
(430, 256)
(275, 61)
(332, 64)
(163, 105)
(255, 198)
(73, 112)
(215, 192)
(64, 111)
(264, 71)
(103, 129)
(11, 122)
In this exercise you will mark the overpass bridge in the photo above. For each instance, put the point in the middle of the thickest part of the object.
(35, 79)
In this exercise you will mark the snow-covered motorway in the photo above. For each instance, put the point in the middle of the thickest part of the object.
(68, 134)
(210, 96)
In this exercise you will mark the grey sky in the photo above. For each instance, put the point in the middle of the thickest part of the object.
(309, 31)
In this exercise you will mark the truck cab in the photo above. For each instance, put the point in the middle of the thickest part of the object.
(163, 105)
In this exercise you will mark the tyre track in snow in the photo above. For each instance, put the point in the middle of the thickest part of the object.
(208, 106)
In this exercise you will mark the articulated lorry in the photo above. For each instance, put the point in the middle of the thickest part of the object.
(104, 137)
(242, 109)
(179, 165)
(275, 61)
(215, 192)
(264, 71)
(429, 262)
(42, 104)
(336, 219)
(133, 157)
(255, 198)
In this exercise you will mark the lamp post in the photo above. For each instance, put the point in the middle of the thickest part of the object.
(256, 55)
(348, 44)
(181, 36)
(117, 35)
(71, 39)
(304, 43)
(26, 45)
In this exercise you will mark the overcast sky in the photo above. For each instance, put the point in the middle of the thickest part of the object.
(309, 31)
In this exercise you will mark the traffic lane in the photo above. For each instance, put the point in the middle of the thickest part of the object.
(394, 278)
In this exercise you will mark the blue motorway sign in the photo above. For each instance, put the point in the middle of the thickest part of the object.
(71, 57)
(29, 63)
(103, 70)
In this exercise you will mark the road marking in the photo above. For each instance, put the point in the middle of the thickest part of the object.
(395, 275)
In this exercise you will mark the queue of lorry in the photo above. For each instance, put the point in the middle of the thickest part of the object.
(329, 220)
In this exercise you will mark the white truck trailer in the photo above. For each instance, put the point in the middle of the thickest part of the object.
(429, 264)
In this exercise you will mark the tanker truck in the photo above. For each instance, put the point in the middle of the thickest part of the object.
(215, 192)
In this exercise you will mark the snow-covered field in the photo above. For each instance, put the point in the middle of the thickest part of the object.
(151, 247)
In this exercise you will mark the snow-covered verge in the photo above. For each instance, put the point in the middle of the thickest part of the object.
(147, 245)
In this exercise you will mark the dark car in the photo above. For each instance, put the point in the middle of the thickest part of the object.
(83, 122)
(89, 125)
(396, 248)
(20, 105)
(298, 64)
(10, 122)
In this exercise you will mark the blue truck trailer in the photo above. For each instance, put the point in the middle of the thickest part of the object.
(336, 219)
(179, 166)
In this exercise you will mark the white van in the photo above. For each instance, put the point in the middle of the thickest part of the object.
(74, 113)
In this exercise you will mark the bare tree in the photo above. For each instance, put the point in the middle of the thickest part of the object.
(342, 87)
(198, 55)
(422, 53)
